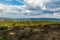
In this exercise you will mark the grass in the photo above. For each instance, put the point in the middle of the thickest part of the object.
(11, 23)
(29, 30)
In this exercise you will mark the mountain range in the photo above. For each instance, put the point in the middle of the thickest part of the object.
(41, 19)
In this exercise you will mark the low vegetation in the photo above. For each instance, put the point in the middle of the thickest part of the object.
(29, 30)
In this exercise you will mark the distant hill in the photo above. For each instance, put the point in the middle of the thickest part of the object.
(42, 19)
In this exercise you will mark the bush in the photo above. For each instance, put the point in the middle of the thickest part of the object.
(3, 28)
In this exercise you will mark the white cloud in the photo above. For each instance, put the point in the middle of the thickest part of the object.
(57, 14)
(31, 9)
(35, 3)
(8, 10)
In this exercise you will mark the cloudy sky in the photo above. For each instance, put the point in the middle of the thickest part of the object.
(30, 8)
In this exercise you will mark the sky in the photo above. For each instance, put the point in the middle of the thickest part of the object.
(30, 8)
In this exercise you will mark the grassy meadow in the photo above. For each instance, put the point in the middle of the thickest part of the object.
(29, 30)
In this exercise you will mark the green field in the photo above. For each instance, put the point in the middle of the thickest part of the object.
(29, 30)
(11, 23)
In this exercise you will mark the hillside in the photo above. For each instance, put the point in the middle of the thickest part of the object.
(29, 30)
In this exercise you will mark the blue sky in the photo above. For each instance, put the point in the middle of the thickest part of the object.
(12, 2)
(30, 8)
